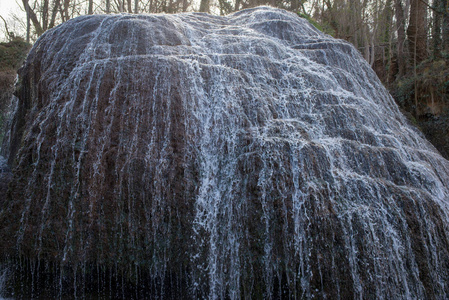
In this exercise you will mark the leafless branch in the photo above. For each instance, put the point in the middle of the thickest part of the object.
(10, 34)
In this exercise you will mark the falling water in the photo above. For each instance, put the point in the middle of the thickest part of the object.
(197, 156)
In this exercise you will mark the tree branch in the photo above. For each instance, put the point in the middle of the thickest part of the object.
(54, 12)
(10, 34)
(33, 17)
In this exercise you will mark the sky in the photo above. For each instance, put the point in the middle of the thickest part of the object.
(7, 8)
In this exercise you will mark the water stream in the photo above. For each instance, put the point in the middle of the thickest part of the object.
(196, 156)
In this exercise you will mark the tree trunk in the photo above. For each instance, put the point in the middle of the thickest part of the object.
(237, 5)
(388, 38)
(108, 6)
(205, 6)
(45, 15)
(31, 15)
(366, 44)
(417, 31)
(400, 27)
(91, 7)
(27, 10)
(66, 10)
(436, 28)
(445, 25)
(294, 5)
(417, 41)
(54, 12)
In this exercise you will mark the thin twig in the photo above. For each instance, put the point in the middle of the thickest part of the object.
(10, 35)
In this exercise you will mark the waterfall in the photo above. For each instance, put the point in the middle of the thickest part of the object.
(196, 156)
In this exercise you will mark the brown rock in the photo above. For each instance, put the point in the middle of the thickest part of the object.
(191, 156)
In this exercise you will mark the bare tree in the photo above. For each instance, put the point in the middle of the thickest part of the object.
(54, 12)
(9, 34)
(44, 15)
(445, 25)
(90, 10)
(417, 31)
(31, 16)
(205, 6)
(400, 29)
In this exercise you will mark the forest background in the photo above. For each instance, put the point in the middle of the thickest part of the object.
(405, 41)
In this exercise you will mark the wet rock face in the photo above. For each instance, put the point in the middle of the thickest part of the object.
(247, 156)
(5, 178)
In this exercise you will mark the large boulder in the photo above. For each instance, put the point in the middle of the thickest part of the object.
(191, 156)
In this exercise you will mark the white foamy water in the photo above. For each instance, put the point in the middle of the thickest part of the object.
(247, 156)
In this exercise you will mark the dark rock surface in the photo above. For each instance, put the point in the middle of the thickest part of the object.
(5, 178)
(191, 156)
